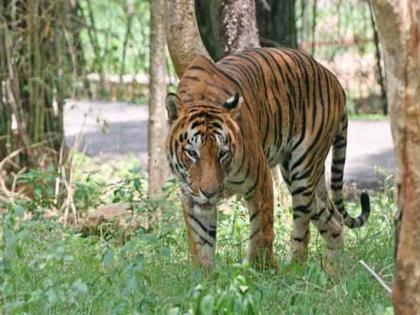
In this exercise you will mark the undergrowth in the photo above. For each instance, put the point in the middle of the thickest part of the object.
(48, 268)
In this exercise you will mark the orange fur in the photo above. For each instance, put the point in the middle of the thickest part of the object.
(235, 120)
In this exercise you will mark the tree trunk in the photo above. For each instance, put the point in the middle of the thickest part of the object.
(399, 32)
(158, 128)
(380, 76)
(234, 25)
(276, 23)
(205, 15)
(182, 34)
(275, 20)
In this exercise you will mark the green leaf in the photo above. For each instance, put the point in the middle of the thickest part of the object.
(132, 284)
(19, 210)
(108, 258)
(80, 287)
(51, 296)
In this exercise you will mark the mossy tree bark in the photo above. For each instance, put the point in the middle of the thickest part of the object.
(227, 26)
(235, 25)
(219, 20)
(399, 31)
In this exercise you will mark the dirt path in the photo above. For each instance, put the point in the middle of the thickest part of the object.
(113, 129)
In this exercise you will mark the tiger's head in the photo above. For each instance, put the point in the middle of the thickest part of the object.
(202, 144)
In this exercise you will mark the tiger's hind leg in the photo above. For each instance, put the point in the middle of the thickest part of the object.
(329, 223)
(303, 205)
(261, 208)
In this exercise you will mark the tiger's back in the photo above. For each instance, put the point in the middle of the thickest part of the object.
(293, 100)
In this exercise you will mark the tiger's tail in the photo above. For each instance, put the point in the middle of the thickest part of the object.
(337, 174)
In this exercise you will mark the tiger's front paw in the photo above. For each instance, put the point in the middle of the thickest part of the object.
(202, 257)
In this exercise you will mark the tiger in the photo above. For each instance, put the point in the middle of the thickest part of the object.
(233, 121)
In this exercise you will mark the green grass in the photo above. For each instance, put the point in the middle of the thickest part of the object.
(46, 268)
(370, 117)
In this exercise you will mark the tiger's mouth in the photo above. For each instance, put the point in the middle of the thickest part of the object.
(200, 199)
(205, 204)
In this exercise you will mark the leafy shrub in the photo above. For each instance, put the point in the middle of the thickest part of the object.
(39, 185)
(233, 294)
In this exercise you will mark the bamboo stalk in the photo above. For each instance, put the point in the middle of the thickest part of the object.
(130, 14)
(36, 63)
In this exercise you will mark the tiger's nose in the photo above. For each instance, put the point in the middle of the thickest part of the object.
(209, 194)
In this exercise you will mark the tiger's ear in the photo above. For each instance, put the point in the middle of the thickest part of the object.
(233, 104)
(172, 106)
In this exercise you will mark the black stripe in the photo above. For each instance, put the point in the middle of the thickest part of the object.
(335, 169)
(340, 146)
(296, 216)
(195, 67)
(337, 186)
(238, 182)
(316, 217)
(335, 235)
(242, 161)
(303, 209)
(251, 190)
(219, 87)
(204, 241)
(210, 231)
(291, 94)
(299, 176)
(299, 190)
(254, 233)
(278, 121)
(330, 216)
(202, 114)
(254, 215)
(339, 161)
(216, 125)
(197, 123)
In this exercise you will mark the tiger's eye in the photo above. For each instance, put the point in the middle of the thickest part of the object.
(223, 154)
(191, 154)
